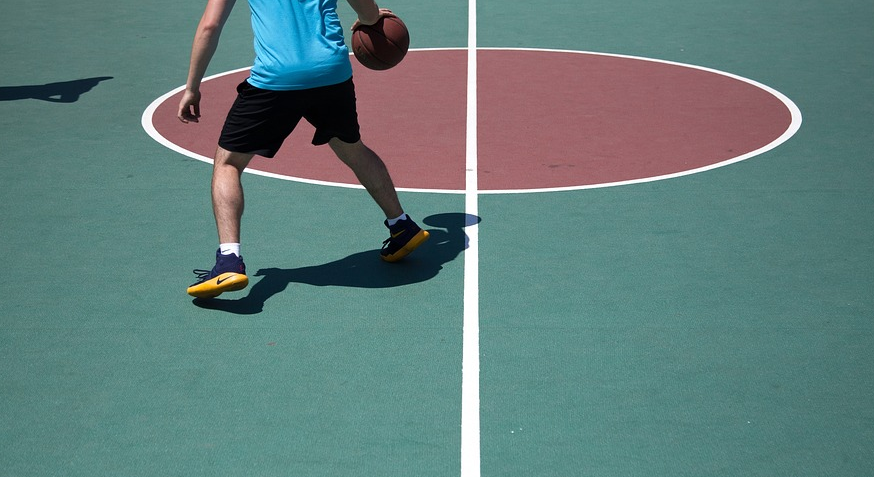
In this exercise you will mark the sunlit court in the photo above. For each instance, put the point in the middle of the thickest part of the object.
(650, 248)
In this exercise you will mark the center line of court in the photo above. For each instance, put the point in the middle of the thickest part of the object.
(470, 399)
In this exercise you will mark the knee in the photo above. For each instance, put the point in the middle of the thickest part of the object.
(345, 149)
(353, 153)
(225, 158)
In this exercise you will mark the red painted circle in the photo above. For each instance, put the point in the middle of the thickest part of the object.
(546, 120)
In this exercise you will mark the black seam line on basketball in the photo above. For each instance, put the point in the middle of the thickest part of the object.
(377, 59)
(392, 43)
(374, 55)
(388, 40)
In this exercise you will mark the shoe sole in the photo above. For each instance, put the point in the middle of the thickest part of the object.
(214, 287)
(413, 244)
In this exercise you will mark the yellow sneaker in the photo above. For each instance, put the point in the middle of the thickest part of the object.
(228, 274)
(405, 237)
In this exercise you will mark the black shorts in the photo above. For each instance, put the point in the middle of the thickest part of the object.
(260, 120)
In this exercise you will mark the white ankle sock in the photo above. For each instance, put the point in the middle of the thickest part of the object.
(230, 248)
(397, 219)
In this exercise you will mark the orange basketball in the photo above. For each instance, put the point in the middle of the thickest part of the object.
(382, 45)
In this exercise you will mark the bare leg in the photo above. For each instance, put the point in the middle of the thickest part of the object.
(371, 173)
(227, 193)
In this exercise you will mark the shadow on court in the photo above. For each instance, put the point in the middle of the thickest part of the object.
(62, 92)
(360, 270)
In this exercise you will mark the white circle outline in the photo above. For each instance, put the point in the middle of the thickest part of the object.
(793, 128)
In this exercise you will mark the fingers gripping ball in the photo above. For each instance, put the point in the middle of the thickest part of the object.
(382, 45)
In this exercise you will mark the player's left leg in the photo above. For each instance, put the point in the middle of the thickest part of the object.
(405, 234)
(371, 173)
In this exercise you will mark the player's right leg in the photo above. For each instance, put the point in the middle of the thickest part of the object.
(257, 123)
(229, 272)
(227, 193)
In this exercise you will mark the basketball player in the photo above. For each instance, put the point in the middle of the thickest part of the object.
(302, 70)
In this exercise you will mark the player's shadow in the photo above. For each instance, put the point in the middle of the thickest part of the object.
(61, 92)
(360, 270)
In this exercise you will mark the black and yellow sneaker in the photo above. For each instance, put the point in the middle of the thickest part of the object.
(228, 274)
(406, 236)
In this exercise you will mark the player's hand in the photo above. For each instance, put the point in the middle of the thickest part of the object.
(189, 107)
(383, 13)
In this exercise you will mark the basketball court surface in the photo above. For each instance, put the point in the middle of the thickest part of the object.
(651, 253)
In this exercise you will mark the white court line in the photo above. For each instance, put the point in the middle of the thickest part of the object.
(470, 403)
(793, 128)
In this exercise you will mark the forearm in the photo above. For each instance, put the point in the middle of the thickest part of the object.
(206, 39)
(204, 47)
(367, 10)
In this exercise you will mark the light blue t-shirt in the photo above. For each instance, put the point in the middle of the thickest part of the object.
(298, 45)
